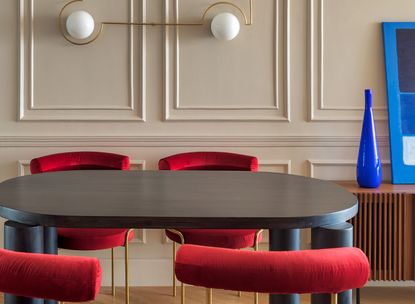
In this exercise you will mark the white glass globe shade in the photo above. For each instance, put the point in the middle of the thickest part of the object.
(225, 26)
(80, 24)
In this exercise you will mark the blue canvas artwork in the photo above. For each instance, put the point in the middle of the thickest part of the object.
(399, 44)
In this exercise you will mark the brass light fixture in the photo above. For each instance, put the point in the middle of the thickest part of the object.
(79, 25)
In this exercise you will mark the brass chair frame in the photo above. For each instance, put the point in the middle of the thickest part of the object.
(127, 287)
(209, 293)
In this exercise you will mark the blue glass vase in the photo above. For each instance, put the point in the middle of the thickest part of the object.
(369, 167)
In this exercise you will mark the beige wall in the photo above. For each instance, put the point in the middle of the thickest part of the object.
(289, 90)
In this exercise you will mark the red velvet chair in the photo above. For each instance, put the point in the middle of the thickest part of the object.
(89, 239)
(226, 238)
(47, 276)
(280, 272)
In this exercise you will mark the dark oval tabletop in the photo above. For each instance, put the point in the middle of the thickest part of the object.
(181, 199)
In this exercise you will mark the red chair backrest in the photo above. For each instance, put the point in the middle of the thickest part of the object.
(84, 160)
(306, 271)
(48, 276)
(209, 161)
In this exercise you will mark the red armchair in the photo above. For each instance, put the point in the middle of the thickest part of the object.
(226, 238)
(282, 272)
(61, 278)
(89, 239)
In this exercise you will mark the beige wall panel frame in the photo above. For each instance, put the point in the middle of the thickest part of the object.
(340, 169)
(178, 108)
(275, 165)
(131, 107)
(350, 105)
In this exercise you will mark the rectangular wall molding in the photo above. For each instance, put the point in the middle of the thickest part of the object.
(275, 165)
(279, 111)
(29, 109)
(344, 168)
(319, 108)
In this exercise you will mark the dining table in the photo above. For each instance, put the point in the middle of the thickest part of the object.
(282, 203)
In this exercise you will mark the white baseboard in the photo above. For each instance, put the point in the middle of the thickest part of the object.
(142, 272)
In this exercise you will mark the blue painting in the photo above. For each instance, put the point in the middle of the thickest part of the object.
(399, 44)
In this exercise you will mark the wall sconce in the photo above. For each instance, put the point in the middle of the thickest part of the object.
(80, 24)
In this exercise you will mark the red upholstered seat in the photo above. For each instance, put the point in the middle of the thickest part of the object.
(61, 278)
(229, 238)
(91, 238)
(285, 272)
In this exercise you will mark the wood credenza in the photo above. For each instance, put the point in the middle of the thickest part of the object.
(384, 229)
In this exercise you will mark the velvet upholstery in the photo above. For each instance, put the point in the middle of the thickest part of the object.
(85, 160)
(61, 278)
(228, 238)
(91, 238)
(80, 238)
(209, 161)
(283, 272)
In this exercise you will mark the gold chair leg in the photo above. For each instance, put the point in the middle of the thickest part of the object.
(181, 236)
(209, 295)
(127, 287)
(174, 274)
(256, 247)
(112, 273)
(183, 294)
(334, 298)
(239, 293)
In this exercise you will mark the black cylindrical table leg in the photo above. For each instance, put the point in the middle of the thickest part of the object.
(23, 238)
(50, 240)
(339, 235)
(50, 244)
(357, 295)
(284, 239)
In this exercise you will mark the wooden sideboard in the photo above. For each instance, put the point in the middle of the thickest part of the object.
(384, 229)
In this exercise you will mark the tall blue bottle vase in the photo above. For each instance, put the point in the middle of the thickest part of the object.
(369, 167)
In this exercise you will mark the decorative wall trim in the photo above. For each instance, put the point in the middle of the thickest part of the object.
(185, 141)
(29, 110)
(314, 163)
(139, 165)
(153, 271)
(22, 167)
(319, 110)
(285, 163)
(175, 111)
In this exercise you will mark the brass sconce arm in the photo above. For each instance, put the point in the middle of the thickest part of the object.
(81, 27)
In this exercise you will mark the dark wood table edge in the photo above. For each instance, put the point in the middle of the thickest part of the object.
(150, 222)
